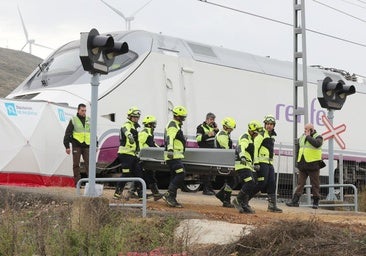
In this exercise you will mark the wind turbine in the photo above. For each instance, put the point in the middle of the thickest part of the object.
(129, 18)
(29, 41)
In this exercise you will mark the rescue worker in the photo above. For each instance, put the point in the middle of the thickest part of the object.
(146, 139)
(78, 134)
(223, 140)
(309, 163)
(205, 137)
(175, 144)
(244, 159)
(128, 150)
(266, 181)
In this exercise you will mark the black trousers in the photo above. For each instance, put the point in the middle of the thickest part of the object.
(130, 168)
(77, 152)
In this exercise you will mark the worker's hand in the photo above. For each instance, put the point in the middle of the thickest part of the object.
(68, 150)
(131, 140)
(211, 134)
(256, 167)
(243, 160)
(170, 154)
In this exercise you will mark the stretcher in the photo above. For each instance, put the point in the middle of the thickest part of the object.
(202, 161)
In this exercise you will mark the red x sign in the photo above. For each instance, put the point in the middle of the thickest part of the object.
(333, 132)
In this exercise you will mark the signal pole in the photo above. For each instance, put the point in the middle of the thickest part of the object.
(331, 195)
(299, 53)
(93, 134)
(97, 53)
(332, 95)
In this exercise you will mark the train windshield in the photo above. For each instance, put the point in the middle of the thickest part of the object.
(64, 67)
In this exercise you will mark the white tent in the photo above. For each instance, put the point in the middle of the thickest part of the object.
(31, 144)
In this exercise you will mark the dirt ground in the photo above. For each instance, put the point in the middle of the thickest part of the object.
(196, 205)
(211, 208)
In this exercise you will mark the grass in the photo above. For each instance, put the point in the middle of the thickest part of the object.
(31, 225)
(59, 229)
(362, 199)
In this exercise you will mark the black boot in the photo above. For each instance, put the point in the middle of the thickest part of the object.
(207, 187)
(227, 200)
(221, 194)
(241, 203)
(315, 202)
(118, 193)
(238, 201)
(224, 196)
(170, 197)
(138, 193)
(208, 191)
(294, 202)
(155, 191)
(272, 204)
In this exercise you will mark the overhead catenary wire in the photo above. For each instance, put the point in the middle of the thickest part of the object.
(284, 23)
(340, 11)
(364, 2)
(354, 4)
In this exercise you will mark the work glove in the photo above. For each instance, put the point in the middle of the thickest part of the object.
(131, 140)
(170, 154)
(256, 167)
(243, 160)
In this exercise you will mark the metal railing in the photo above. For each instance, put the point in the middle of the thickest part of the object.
(142, 205)
(355, 200)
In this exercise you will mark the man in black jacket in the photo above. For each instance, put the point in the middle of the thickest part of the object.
(309, 160)
(205, 137)
(78, 134)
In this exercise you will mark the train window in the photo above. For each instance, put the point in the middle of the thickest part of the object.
(123, 60)
(64, 66)
(202, 49)
(67, 62)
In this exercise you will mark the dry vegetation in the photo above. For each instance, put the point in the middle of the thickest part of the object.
(311, 237)
(44, 224)
(60, 224)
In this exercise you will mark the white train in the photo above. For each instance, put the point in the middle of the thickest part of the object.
(157, 73)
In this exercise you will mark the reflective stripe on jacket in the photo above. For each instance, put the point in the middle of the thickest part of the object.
(127, 129)
(174, 140)
(202, 138)
(245, 148)
(223, 140)
(146, 138)
(81, 133)
(266, 147)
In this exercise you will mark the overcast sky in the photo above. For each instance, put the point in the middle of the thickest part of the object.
(53, 23)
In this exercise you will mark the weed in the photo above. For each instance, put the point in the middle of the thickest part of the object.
(87, 228)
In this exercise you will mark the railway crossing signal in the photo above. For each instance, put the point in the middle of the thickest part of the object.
(97, 52)
(333, 132)
(332, 95)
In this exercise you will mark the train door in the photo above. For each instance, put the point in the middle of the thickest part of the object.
(174, 88)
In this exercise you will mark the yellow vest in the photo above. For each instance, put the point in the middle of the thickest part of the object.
(81, 133)
(128, 128)
(265, 151)
(174, 140)
(310, 153)
(245, 148)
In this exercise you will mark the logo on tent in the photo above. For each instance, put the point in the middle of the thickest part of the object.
(61, 115)
(10, 108)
